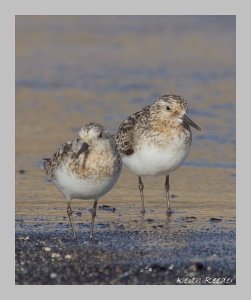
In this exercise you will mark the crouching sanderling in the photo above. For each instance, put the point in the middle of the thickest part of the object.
(85, 168)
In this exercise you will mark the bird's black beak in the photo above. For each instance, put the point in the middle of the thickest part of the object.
(187, 121)
(84, 147)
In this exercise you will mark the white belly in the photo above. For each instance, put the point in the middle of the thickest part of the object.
(152, 161)
(74, 187)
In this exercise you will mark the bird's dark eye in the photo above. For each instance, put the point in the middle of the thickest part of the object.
(100, 135)
(168, 108)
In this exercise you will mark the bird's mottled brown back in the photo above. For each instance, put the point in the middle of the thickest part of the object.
(124, 137)
(62, 153)
(87, 165)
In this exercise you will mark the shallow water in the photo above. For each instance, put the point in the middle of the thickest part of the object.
(72, 70)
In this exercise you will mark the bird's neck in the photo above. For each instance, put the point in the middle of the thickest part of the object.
(165, 125)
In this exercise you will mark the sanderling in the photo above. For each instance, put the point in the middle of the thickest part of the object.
(85, 168)
(156, 140)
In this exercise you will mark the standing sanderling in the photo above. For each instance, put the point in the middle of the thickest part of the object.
(85, 168)
(156, 140)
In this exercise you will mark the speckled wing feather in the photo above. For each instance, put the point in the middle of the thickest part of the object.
(74, 147)
(124, 137)
(62, 152)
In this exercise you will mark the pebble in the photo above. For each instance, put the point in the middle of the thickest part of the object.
(215, 219)
(107, 208)
(25, 238)
(198, 266)
(188, 219)
(56, 255)
(53, 275)
(47, 249)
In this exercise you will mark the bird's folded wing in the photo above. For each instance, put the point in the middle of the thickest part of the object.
(124, 137)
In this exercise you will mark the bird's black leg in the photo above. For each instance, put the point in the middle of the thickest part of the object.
(141, 188)
(93, 217)
(69, 213)
(167, 188)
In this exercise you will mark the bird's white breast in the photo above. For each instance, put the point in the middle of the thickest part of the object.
(152, 160)
(73, 186)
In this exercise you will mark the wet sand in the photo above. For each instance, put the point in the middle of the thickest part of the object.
(197, 241)
(70, 71)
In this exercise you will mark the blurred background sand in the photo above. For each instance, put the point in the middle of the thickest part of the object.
(74, 69)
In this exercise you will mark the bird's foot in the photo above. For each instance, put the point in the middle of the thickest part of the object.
(92, 240)
(142, 211)
(169, 212)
